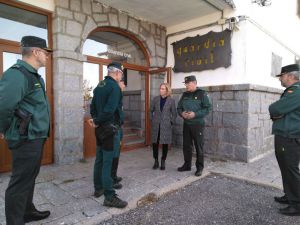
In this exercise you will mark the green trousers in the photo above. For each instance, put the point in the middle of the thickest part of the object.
(102, 167)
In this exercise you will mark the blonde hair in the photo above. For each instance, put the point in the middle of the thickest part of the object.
(169, 90)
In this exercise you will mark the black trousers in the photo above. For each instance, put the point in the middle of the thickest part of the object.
(193, 134)
(26, 162)
(155, 147)
(287, 152)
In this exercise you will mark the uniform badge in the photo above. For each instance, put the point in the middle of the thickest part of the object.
(290, 91)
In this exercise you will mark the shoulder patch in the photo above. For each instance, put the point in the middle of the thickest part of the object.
(102, 83)
(16, 66)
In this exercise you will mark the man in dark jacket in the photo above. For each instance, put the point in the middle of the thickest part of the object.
(193, 106)
(25, 124)
(106, 117)
(285, 114)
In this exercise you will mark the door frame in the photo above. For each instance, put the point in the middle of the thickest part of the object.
(104, 62)
(148, 72)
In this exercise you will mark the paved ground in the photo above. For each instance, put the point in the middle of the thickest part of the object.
(211, 201)
(67, 190)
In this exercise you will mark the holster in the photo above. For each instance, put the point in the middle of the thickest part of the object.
(105, 135)
(25, 118)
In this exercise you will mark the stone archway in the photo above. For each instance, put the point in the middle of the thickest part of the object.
(73, 21)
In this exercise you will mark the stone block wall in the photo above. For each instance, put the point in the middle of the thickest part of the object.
(73, 21)
(132, 107)
(239, 126)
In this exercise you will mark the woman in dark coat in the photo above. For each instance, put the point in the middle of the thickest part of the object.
(163, 113)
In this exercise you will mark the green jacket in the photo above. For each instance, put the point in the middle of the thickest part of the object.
(107, 102)
(285, 113)
(197, 102)
(16, 93)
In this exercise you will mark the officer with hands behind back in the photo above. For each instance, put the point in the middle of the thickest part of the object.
(106, 118)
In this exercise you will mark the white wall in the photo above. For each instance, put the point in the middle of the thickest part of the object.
(43, 4)
(251, 48)
(259, 57)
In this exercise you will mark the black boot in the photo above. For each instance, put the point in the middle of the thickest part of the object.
(163, 164)
(156, 164)
(114, 170)
(184, 167)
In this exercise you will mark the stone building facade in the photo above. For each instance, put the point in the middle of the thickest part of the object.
(238, 127)
(73, 21)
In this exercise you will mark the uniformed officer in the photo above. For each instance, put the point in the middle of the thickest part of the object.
(24, 123)
(285, 114)
(193, 106)
(107, 121)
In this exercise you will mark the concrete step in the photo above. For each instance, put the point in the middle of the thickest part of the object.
(132, 142)
(129, 134)
(131, 138)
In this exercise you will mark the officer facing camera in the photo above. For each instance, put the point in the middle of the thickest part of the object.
(193, 106)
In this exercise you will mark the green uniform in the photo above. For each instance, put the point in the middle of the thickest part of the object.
(193, 129)
(15, 92)
(106, 102)
(105, 107)
(285, 114)
(287, 110)
(197, 102)
(24, 91)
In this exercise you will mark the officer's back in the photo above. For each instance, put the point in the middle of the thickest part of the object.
(107, 96)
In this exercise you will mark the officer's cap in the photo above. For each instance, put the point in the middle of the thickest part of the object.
(116, 65)
(189, 79)
(288, 69)
(36, 42)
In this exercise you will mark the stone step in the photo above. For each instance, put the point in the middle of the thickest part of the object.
(132, 142)
(131, 138)
(129, 134)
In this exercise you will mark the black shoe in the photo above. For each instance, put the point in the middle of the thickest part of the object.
(183, 168)
(115, 202)
(98, 193)
(156, 164)
(281, 200)
(117, 185)
(117, 179)
(36, 215)
(290, 211)
(163, 164)
(198, 173)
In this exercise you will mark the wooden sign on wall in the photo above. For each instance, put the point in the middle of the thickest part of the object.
(205, 52)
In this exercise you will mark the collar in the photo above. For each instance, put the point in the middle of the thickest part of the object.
(297, 84)
(110, 78)
(27, 66)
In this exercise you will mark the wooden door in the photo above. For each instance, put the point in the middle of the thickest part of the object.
(9, 53)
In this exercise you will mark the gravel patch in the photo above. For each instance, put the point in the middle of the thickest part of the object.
(211, 200)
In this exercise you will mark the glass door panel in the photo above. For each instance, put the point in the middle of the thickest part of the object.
(134, 109)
